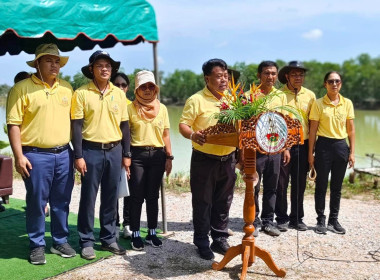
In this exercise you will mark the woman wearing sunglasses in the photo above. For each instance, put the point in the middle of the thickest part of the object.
(151, 156)
(332, 120)
(121, 80)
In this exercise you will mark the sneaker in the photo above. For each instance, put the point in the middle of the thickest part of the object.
(137, 243)
(283, 226)
(153, 240)
(334, 226)
(321, 227)
(270, 230)
(88, 253)
(256, 232)
(114, 248)
(127, 232)
(37, 255)
(220, 245)
(206, 253)
(301, 226)
(64, 250)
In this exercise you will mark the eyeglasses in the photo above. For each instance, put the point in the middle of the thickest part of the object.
(122, 85)
(334, 81)
(144, 87)
(297, 75)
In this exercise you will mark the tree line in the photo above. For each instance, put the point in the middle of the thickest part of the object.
(361, 80)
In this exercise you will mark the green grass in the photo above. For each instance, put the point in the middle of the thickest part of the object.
(14, 247)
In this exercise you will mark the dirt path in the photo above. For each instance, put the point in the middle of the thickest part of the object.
(178, 258)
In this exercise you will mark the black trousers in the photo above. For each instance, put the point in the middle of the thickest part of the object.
(212, 184)
(147, 169)
(126, 219)
(297, 169)
(103, 168)
(331, 155)
(268, 168)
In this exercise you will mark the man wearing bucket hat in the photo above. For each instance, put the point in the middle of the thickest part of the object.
(300, 98)
(101, 141)
(38, 118)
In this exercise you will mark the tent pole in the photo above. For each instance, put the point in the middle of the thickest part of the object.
(163, 197)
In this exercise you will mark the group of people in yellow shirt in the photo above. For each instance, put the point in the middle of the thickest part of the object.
(109, 133)
(105, 129)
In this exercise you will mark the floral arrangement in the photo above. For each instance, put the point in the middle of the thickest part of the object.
(236, 104)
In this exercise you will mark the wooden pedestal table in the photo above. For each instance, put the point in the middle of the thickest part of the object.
(245, 139)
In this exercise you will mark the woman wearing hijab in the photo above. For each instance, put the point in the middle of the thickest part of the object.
(151, 156)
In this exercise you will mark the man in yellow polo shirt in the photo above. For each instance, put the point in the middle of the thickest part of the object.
(268, 166)
(212, 171)
(300, 98)
(38, 118)
(101, 141)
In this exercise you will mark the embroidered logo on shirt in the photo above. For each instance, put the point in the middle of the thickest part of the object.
(65, 101)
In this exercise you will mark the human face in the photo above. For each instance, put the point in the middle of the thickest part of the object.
(217, 81)
(102, 69)
(268, 76)
(48, 67)
(295, 78)
(147, 90)
(121, 83)
(333, 83)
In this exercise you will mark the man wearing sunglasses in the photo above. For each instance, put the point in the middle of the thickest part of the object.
(300, 98)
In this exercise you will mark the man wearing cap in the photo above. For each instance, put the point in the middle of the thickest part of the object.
(38, 118)
(212, 171)
(101, 141)
(268, 165)
(300, 98)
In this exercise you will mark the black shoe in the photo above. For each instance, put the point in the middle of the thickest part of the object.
(321, 227)
(270, 230)
(114, 248)
(334, 226)
(283, 226)
(64, 250)
(137, 243)
(37, 255)
(88, 253)
(206, 253)
(153, 240)
(301, 226)
(220, 245)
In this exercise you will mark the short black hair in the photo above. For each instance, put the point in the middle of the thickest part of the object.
(266, 63)
(21, 76)
(329, 73)
(210, 64)
(121, 74)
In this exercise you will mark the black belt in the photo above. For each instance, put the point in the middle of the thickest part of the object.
(100, 146)
(147, 148)
(54, 150)
(330, 140)
(215, 157)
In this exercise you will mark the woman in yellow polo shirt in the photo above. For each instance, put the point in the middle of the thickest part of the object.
(332, 120)
(151, 156)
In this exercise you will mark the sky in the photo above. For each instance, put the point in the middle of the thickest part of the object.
(191, 32)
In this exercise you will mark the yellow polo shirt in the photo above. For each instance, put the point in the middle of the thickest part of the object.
(41, 111)
(301, 102)
(332, 118)
(198, 114)
(102, 117)
(277, 98)
(148, 133)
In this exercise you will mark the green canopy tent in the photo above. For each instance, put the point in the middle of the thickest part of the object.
(25, 24)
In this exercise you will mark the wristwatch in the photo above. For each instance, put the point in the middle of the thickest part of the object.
(127, 154)
(170, 157)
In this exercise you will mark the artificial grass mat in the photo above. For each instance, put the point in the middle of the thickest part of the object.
(14, 246)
